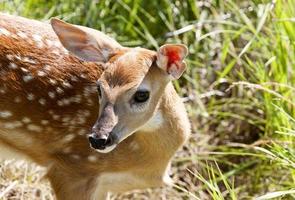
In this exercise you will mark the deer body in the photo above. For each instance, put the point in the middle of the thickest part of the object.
(49, 104)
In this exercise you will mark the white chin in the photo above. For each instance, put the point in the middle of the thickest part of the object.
(107, 149)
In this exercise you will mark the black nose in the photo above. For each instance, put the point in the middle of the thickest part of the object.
(100, 142)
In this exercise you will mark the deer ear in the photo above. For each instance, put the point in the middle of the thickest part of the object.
(87, 44)
(170, 58)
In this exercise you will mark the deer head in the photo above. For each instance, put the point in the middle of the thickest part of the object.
(131, 86)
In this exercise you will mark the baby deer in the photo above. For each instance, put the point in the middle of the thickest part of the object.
(63, 87)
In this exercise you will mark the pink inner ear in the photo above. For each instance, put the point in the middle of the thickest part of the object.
(173, 57)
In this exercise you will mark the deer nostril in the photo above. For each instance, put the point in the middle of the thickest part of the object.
(100, 143)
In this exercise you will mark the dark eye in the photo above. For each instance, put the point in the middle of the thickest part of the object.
(141, 96)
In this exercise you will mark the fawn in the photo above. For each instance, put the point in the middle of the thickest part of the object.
(98, 116)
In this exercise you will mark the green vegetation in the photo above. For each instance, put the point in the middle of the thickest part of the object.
(239, 86)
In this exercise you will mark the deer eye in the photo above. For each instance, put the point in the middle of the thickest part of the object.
(141, 96)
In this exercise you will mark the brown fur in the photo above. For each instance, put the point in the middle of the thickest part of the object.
(51, 132)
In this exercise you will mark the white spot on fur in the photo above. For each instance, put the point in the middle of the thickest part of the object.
(24, 69)
(37, 38)
(92, 158)
(30, 97)
(12, 125)
(66, 84)
(41, 73)
(74, 79)
(4, 31)
(17, 99)
(52, 81)
(134, 145)
(75, 156)
(27, 78)
(47, 68)
(5, 114)
(51, 95)
(67, 150)
(68, 138)
(21, 34)
(42, 101)
(56, 117)
(44, 122)
(82, 132)
(26, 120)
(49, 42)
(59, 90)
(9, 57)
(35, 128)
(29, 60)
(2, 91)
(12, 65)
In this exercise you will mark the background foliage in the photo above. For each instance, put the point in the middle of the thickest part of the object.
(238, 88)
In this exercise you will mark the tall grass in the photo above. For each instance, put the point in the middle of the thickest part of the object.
(239, 86)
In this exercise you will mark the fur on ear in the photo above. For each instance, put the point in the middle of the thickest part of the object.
(170, 58)
(87, 44)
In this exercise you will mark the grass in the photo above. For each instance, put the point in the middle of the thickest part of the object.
(239, 91)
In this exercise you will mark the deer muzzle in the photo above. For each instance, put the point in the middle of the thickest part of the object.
(101, 136)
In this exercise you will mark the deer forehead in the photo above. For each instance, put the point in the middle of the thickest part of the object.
(128, 68)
